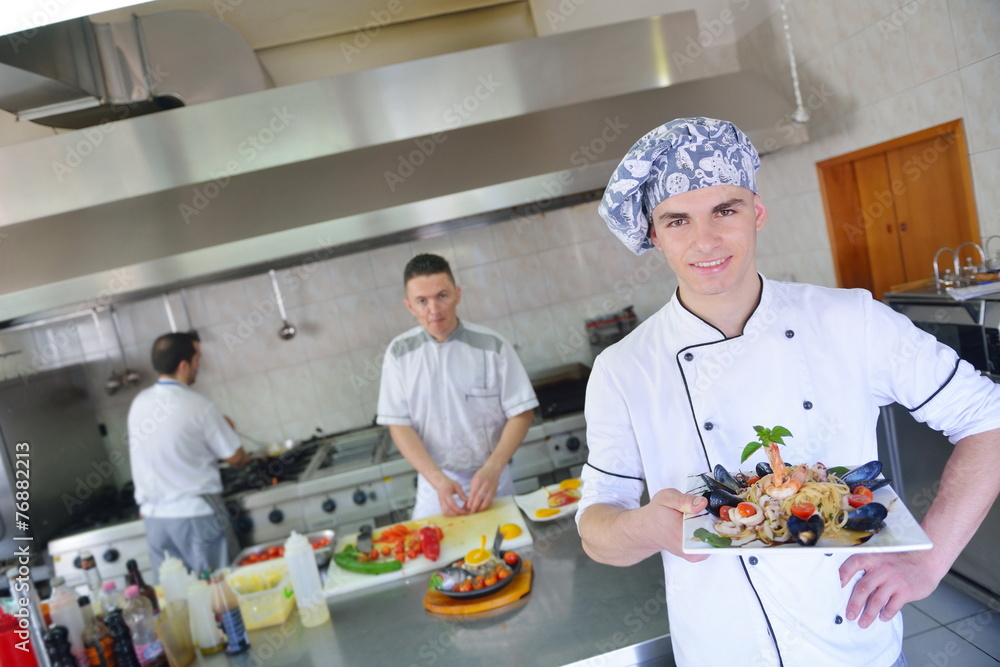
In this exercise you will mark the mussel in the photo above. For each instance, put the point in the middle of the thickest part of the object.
(868, 471)
(870, 484)
(721, 479)
(718, 498)
(763, 468)
(867, 518)
(806, 531)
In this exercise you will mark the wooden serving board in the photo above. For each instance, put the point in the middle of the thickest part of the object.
(439, 603)
(461, 533)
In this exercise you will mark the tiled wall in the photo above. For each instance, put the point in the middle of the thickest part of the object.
(871, 70)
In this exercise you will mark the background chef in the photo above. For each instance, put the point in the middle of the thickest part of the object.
(455, 397)
(731, 350)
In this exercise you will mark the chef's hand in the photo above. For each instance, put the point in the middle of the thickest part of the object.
(447, 489)
(888, 583)
(664, 520)
(482, 489)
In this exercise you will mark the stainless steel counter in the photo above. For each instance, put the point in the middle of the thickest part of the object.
(579, 612)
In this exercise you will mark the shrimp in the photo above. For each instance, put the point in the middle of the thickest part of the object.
(782, 485)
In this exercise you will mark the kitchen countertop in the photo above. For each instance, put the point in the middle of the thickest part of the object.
(578, 610)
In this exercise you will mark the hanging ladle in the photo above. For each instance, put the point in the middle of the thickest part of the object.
(170, 313)
(130, 377)
(114, 381)
(287, 330)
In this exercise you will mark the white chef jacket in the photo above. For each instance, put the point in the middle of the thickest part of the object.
(457, 395)
(675, 398)
(176, 439)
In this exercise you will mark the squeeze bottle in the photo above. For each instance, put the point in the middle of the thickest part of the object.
(304, 573)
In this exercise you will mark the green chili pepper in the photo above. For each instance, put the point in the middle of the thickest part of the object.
(348, 559)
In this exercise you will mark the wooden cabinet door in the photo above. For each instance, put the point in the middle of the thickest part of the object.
(878, 213)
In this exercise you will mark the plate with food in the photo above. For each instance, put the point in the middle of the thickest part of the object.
(779, 506)
(480, 573)
(551, 502)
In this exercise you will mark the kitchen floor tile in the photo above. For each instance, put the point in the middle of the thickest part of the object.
(981, 630)
(943, 647)
(947, 605)
(916, 622)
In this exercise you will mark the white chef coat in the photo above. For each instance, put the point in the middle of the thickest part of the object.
(457, 395)
(675, 398)
(176, 439)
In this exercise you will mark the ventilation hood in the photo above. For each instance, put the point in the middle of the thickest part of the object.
(229, 187)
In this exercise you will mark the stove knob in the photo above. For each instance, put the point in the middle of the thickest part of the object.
(77, 563)
(573, 443)
(111, 555)
(244, 524)
(329, 505)
(360, 497)
(276, 516)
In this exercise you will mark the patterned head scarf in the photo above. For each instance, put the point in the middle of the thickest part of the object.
(682, 155)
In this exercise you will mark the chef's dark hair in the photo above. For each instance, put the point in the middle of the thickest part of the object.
(426, 265)
(169, 350)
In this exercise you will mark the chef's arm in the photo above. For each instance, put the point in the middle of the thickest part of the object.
(483, 487)
(616, 536)
(413, 450)
(239, 459)
(964, 497)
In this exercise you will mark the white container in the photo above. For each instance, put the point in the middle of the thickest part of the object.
(204, 630)
(304, 573)
(64, 609)
(174, 579)
(138, 612)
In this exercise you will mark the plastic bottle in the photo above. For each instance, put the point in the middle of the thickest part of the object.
(134, 577)
(173, 579)
(304, 573)
(89, 566)
(10, 654)
(121, 637)
(204, 629)
(111, 597)
(227, 611)
(65, 611)
(57, 647)
(96, 640)
(139, 617)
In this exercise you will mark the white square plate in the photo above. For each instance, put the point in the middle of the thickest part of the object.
(900, 533)
(539, 499)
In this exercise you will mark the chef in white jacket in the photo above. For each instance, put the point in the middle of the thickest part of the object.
(732, 350)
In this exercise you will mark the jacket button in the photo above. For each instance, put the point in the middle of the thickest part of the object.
(753, 560)
(789, 333)
(709, 426)
(838, 620)
(688, 356)
(808, 405)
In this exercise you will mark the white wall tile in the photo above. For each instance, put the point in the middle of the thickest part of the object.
(439, 245)
(535, 335)
(336, 383)
(554, 229)
(474, 247)
(367, 323)
(976, 27)
(515, 238)
(888, 59)
(566, 273)
(986, 176)
(320, 329)
(397, 318)
(219, 302)
(979, 81)
(252, 403)
(929, 40)
(352, 274)
(388, 263)
(940, 100)
(483, 294)
(898, 115)
(524, 281)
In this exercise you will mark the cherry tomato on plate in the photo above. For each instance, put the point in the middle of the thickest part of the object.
(863, 491)
(857, 499)
(746, 509)
(724, 512)
(510, 558)
(803, 510)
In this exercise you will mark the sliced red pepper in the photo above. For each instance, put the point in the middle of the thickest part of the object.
(430, 542)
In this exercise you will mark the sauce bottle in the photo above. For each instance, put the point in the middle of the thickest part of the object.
(64, 610)
(89, 566)
(96, 641)
(124, 650)
(227, 611)
(57, 647)
(134, 578)
(304, 573)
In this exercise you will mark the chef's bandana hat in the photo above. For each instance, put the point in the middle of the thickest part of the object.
(682, 155)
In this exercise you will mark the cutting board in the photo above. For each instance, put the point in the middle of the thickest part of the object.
(440, 603)
(461, 533)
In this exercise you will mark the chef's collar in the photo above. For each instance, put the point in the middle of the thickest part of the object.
(707, 332)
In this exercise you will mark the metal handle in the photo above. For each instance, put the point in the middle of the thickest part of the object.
(277, 295)
(170, 313)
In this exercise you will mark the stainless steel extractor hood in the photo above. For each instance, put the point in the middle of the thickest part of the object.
(329, 166)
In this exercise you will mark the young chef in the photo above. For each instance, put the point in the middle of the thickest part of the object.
(732, 350)
(176, 439)
(455, 397)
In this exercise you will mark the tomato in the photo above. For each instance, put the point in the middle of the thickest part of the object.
(465, 586)
(502, 574)
(862, 491)
(386, 550)
(746, 509)
(857, 500)
(510, 558)
(753, 480)
(401, 556)
(724, 512)
(803, 510)
(490, 581)
(477, 583)
(412, 553)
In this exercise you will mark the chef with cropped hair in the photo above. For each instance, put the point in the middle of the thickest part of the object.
(731, 350)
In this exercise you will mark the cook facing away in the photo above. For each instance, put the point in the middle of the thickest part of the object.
(176, 439)
(731, 350)
(455, 397)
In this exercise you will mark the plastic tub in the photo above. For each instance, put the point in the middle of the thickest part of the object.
(264, 593)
